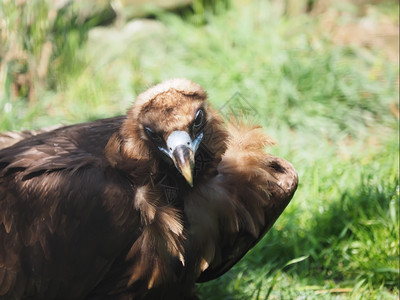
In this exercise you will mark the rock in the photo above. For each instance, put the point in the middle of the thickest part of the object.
(123, 36)
(99, 11)
(103, 11)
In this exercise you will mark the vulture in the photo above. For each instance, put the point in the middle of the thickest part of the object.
(141, 206)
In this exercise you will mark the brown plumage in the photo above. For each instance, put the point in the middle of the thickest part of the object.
(135, 207)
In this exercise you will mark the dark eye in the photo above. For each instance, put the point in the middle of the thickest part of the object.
(199, 120)
(152, 135)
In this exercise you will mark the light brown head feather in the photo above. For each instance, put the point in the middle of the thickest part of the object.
(168, 106)
(181, 85)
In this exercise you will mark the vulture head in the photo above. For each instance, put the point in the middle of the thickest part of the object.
(173, 123)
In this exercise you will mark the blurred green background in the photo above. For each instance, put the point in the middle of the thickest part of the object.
(321, 76)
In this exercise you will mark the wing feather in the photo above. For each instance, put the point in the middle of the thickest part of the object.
(54, 195)
(248, 195)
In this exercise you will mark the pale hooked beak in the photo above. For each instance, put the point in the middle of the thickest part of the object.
(182, 150)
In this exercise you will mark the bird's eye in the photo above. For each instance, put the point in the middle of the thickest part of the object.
(152, 135)
(199, 120)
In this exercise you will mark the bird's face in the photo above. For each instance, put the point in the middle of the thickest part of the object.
(173, 123)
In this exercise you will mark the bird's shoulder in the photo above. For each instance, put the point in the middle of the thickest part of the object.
(70, 147)
(63, 171)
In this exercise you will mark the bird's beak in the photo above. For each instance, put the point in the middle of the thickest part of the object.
(182, 150)
(183, 158)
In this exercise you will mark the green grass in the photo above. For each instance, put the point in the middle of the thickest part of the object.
(329, 107)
